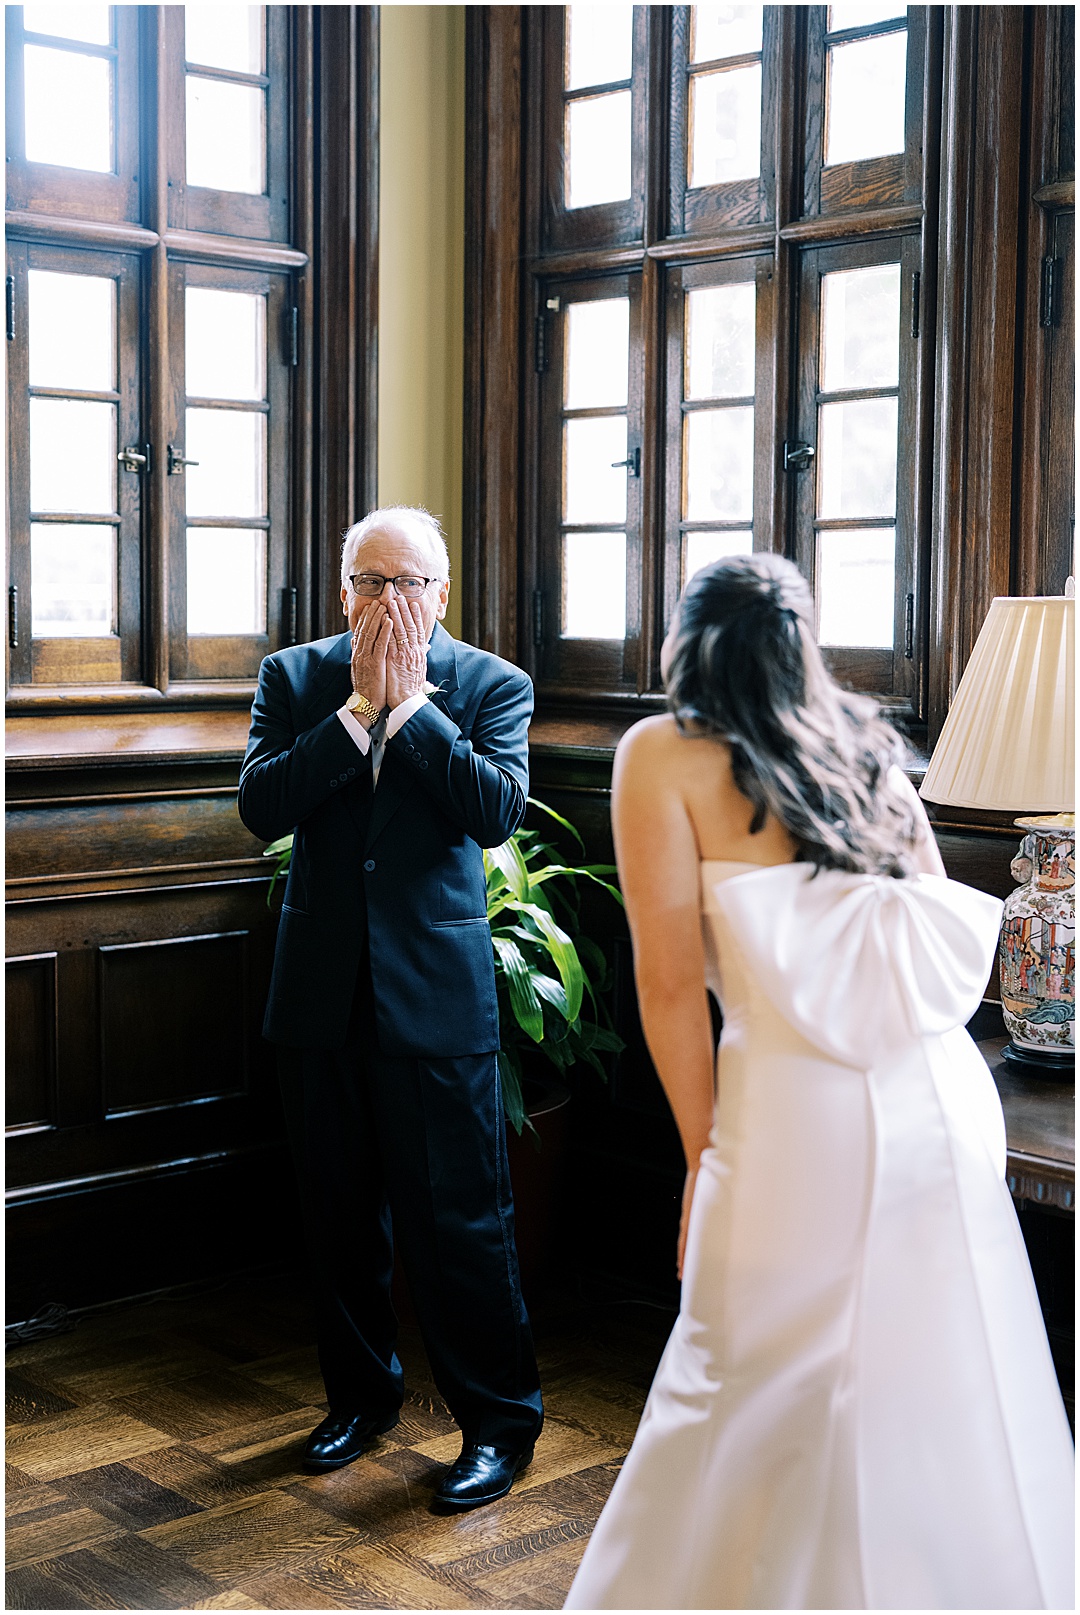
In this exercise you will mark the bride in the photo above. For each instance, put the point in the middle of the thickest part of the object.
(857, 1408)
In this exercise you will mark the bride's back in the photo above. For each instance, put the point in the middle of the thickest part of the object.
(697, 770)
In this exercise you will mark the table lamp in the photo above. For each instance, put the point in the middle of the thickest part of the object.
(1008, 744)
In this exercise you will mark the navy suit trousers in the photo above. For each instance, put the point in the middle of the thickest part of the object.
(412, 1152)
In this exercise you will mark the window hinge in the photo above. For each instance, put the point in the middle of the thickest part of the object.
(909, 627)
(1050, 291)
(13, 616)
(288, 616)
(538, 616)
(540, 358)
(632, 463)
(292, 336)
(797, 456)
(916, 297)
(11, 308)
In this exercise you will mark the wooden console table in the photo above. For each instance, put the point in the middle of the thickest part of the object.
(1040, 1128)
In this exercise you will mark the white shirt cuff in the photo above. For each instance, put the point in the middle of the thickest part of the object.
(401, 714)
(355, 730)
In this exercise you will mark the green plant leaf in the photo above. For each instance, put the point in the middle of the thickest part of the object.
(598, 1037)
(523, 1000)
(552, 991)
(282, 851)
(512, 1095)
(564, 955)
(509, 860)
(590, 872)
(551, 813)
(276, 848)
(555, 943)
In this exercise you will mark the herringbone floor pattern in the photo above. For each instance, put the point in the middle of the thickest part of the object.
(153, 1464)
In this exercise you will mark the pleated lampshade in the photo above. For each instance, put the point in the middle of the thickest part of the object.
(1008, 741)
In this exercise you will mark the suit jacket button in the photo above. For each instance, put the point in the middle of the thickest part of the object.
(423, 764)
(333, 784)
(369, 865)
(352, 771)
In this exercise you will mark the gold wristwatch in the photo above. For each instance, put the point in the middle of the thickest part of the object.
(361, 707)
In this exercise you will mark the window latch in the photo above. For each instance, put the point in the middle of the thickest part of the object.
(797, 456)
(177, 461)
(632, 463)
(136, 459)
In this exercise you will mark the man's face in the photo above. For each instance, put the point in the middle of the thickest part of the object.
(393, 551)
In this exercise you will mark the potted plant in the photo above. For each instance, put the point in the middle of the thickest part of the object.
(551, 979)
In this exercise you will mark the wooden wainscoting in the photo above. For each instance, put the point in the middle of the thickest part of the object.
(145, 1146)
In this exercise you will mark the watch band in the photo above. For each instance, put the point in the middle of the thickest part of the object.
(362, 707)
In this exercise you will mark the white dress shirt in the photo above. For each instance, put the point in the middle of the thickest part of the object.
(375, 738)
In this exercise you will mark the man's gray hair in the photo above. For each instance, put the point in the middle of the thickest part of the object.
(395, 516)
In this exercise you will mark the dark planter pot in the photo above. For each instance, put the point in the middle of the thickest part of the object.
(536, 1177)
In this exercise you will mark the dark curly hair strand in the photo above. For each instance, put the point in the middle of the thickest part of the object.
(745, 667)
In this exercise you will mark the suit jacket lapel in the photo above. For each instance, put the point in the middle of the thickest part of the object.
(331, 684)
(442, 666)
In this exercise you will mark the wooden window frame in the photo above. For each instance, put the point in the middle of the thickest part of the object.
(585, 663)
(327, 258)
(115, 655)
(569, 228)
(699, 210)
(726, 223)
(758, 270)
(889, 674)
(238, 656)
(74, 193)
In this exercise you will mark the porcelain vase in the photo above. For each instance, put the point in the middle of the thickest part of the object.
(1038, 943)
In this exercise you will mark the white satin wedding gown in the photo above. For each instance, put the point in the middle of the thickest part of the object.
(857, 1408)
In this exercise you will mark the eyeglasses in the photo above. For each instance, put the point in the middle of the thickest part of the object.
(372, 584)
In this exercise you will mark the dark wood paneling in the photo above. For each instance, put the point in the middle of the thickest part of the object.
(191, 1221)
(131, 871)
(174, 1020)
(30, 1056)
(98, 835)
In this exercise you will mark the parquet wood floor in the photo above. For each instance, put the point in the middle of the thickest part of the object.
(153, 1464)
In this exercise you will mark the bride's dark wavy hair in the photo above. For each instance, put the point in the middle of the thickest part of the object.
(746, 668)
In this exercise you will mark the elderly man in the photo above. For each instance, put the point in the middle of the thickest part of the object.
(396, 753)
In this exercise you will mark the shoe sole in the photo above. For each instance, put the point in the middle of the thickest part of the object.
(321, 1466)
(461, 1505)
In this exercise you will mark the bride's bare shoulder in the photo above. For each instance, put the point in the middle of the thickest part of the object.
(657, 750)
(648, 740)
(660, 736)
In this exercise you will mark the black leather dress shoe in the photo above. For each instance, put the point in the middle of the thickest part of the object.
(341, 1437)
(479, 1476)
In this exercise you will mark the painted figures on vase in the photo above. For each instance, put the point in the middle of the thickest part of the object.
(1038, 939)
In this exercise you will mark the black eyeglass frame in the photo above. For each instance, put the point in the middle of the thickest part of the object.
(414, 576)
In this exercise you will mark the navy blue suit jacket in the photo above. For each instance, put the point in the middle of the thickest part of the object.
(399, 869)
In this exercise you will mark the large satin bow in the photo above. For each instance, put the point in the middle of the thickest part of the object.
(861, 963)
